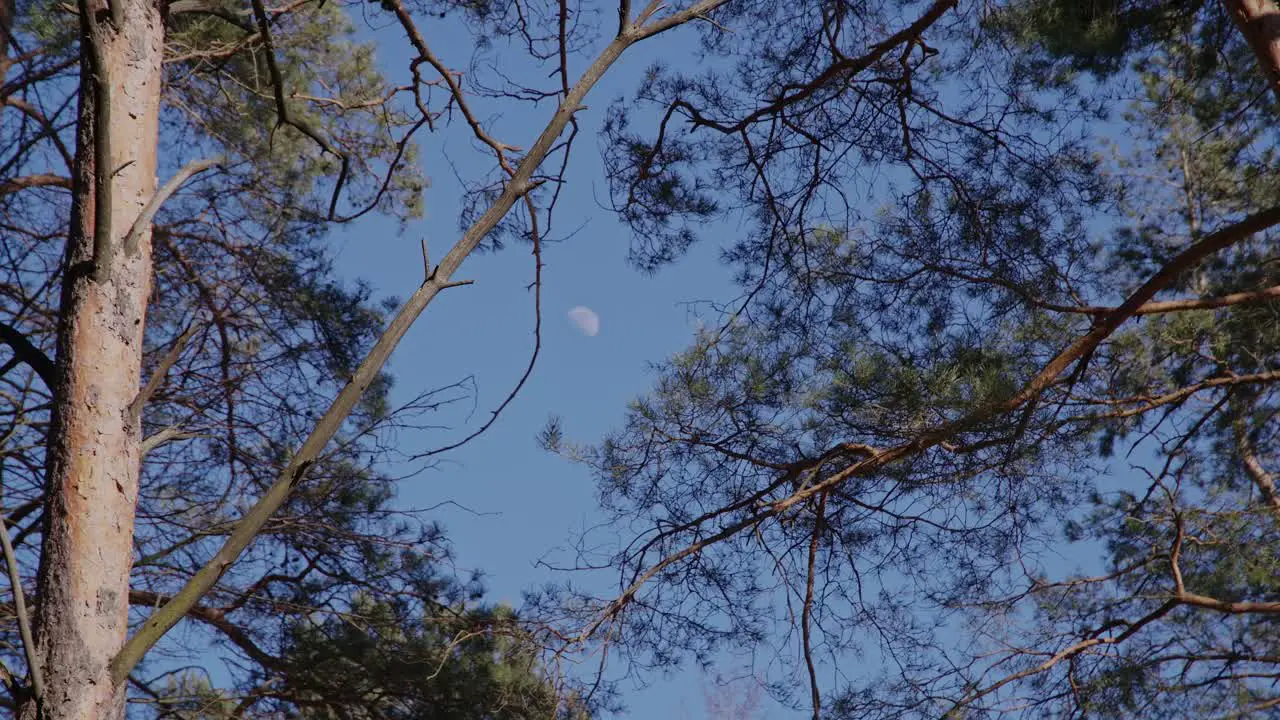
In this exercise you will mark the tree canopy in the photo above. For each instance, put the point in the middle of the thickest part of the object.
(990, 430)
(249, 333)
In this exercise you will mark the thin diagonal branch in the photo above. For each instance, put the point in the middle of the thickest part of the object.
(20, 610)
(143, 222)
(293, 473)
(537, 343)
(162, 369)
(1262, 478)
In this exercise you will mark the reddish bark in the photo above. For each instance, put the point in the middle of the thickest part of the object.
(1259, 21)
(94, 444)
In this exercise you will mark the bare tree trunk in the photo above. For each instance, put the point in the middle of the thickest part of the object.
(94, 444)
(1259, 21)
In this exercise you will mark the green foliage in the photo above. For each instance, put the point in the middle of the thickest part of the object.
(342, 607)
(929, 233)
(1094, 35)
(220, 94)
(395, 662)
(189, 695)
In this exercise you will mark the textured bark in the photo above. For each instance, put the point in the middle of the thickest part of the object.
(95, 442)
(1259, 21)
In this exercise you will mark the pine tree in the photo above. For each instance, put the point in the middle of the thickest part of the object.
(196, 407)
(991, 429)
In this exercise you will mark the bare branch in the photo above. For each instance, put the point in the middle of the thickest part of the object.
(624, 15)
(1168, 306)
(30, 354)
(143, 221)
(162, 369)
(806, 612)
(450, 79)
(533, 356)
(13, 185)
(1064, 654)
(1262, 478)
(20, 609)
(841, 68)
(1227, 606)
(251, 524)
(167, 435)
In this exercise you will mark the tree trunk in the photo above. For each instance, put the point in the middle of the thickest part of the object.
(1259, 21)
(93, 454)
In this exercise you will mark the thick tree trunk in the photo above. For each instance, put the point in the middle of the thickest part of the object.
(93, 454)
(1259, 21)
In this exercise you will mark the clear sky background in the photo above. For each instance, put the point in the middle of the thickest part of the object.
(526, 502)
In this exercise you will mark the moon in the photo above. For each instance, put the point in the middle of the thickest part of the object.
(586, 320)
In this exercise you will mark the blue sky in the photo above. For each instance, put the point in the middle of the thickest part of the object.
(526, 502)
(522, 504)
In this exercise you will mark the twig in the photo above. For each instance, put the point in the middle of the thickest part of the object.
(251, 524)
(1262, 478)
(537, 343)
(148, 213)
(806, 612)
(162, 369)
(24, 618)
